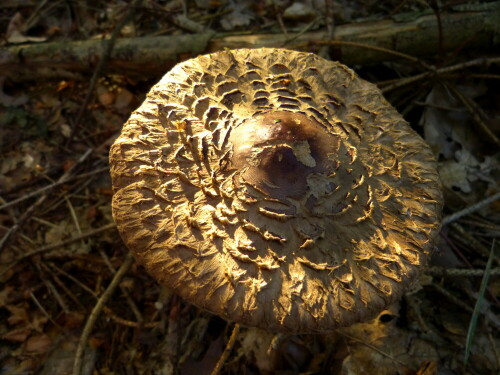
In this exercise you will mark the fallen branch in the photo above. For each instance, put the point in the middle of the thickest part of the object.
(136, 57)
(472, 29)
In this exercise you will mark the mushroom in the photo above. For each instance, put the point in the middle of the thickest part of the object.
(275, 189)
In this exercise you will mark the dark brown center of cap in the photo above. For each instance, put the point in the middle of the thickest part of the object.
(278, 150)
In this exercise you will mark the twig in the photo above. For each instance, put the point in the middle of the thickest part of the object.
(376, 48)
(402, 82)
(495, 349)
(227, 350)
(44, 312)
(441, 71)
(39, 202)
(457, 301)
(58, 244)
(51, 186)
(484, 224)
(74, 279)
(107, 310)
(76, 188)
(475, 111)
(414, 303)
(129, 323)
(469, 210)
(276, 341)
(107, 47)
(34, 17)
(130, 301)
(405, 81)
(374, 348)
(63, 286)
(301, 32)
(51, 288)
(484, 76)
(77, 366)
(442, 271)
(329, 19)
(455, 248)
(278, 10)
(330, 29)
(73, 215)
(468, 64)
(435, 8)
(460, 234)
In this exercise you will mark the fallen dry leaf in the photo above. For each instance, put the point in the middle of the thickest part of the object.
(38, 344)
(17, 335)
(14, 33)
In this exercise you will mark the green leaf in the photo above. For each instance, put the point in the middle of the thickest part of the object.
(477, 308)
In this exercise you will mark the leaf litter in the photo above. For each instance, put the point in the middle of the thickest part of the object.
(45, 299)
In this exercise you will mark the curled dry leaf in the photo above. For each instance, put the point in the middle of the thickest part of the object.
(15, 34)
(241, 15)
(300, 12)
(275, 189)
(17, 335)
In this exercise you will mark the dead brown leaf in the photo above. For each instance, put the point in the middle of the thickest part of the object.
(38, 344)
(17, 335)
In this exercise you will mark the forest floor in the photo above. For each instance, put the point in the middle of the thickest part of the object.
(69, 79)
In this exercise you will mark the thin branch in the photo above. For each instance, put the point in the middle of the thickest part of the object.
(129, 323)
(463, 236)
(10, 233)
(107, 48)
(466, 272)
(124, 290)
(471, 209)
(375, 48)
(464, 305)
(44, 249)
(475, 111)
(227, 350)
(77, 366)
(374, 348)
(51, 186)
(441, 71)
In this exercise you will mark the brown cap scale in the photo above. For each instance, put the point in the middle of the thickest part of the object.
(275, 189)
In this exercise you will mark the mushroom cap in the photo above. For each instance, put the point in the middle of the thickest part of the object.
(276, 189)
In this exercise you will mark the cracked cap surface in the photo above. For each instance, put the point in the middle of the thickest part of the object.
(276, 189)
